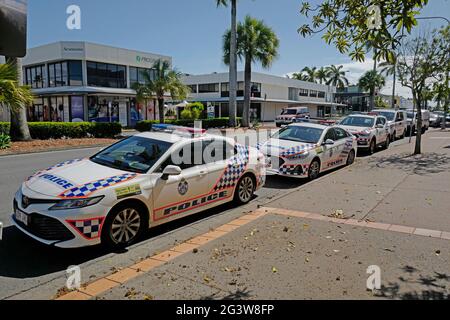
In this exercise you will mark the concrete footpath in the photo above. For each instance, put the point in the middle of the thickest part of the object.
(390, 210)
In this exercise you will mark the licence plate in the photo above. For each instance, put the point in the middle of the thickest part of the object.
(21, 217)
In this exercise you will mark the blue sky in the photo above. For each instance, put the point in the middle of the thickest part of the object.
(190, 30)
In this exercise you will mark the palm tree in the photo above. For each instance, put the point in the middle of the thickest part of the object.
(299, 76)
(256, 42)
(167, 80)
(322, 75)
(233, 59)
(336, 76)
(16, 97)
(310, 73)
(389, 69)
(372, 81)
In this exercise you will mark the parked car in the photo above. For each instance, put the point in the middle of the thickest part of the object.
(435, 119)
(371, 131)
(138, 183)
(291, 115)
(412, 121)
(304, 150)
(397, 122)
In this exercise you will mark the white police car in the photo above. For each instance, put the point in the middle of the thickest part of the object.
(138, 183)
(371, 130)
(304, 150)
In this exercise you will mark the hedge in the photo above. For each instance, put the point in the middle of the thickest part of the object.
(58, 130)
(143, 126)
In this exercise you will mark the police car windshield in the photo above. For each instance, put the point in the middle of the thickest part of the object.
(135, 154)
(358, 122)
(299, 134)
(388, 115)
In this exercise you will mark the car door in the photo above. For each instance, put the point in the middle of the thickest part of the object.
(342, 141)
(400, 126)
(331, 152)
(181, 194)
(381, 133)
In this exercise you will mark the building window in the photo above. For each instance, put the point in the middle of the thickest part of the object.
(193, 88)
(106, 75)
(208, 88)
(255, 90)
(65, 73)
(35, 77)
(303, 92)
(313, 93)
(141, 76)
(321, 94)
(103, 109)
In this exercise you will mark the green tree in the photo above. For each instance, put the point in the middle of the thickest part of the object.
(336, 76)
(256, 42)
(232, 59)
(167, 80)
(350, 24)
(372, 81)
(422, 60)
(389, 69)
(299, 76)
(310, 74)
(322, 75)
(16, 97)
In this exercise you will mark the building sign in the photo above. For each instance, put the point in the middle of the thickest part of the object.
(13, 28)
(142, 59)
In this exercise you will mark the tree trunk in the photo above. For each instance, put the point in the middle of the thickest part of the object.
(161, 110)
(247, 93)
(418, 147)
(19, 130)
(233, 65)
(393, 87)
(372, 95)
(446, 102)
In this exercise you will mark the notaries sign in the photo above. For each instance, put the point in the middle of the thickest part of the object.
(142, 59)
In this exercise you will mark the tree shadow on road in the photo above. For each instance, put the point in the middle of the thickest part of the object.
(239, 294)
(416, 286)
(428, 163)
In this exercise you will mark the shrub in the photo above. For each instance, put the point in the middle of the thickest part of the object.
(76, 130)
(186, 114)
(5, 141)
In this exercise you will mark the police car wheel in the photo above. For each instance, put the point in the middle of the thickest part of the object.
(372, 147)
(351, 158)
(245, 190)
(387, 143)
(122, 227)
(314, 170)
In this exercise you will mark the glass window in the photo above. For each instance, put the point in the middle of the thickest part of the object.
(208, 88)
(321, 94)
(106, 75)
(340, 134)
(135, 154)
(299, 134)
(75, 73)
(330, 135)
(303, 92)
(358, 122)
(313, 93)
(193, 88)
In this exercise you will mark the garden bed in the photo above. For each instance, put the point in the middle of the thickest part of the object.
(54, 145)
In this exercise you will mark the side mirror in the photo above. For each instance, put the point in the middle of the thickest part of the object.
(171, 171)
(329, 142)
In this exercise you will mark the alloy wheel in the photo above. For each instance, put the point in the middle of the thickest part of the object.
(125, 226)
(246, 189)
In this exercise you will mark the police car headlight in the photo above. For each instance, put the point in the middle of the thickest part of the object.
(76, 203)
(300, 156)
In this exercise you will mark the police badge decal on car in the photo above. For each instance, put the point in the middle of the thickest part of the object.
(183, 187)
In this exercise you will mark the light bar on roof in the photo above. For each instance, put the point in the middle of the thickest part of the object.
(178, 129)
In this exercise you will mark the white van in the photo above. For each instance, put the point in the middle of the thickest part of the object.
(289, 115)
(412, 121)
(397, 121)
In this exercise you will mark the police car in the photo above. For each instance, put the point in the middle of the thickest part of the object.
(304, 150)
(371, 131)
(138, 183)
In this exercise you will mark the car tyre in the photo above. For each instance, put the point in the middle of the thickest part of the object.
(314, 170)
(123, 226)
(245, 190)
(372, 147)
(387, 143)
(351, 158)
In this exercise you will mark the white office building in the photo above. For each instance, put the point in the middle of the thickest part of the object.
(81, 81)
(270, 95)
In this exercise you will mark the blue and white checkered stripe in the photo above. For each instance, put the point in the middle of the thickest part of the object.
(235, 169)
(297, 150)
(90, 229)
(87, 189)
(59, 165)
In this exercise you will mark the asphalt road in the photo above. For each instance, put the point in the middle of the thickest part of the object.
(29, 270)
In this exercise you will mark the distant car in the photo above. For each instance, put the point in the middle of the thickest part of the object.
(371, 131)
(138, 183)
(304, 150)
(291, 115)
(412, 121)
(397, 122)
